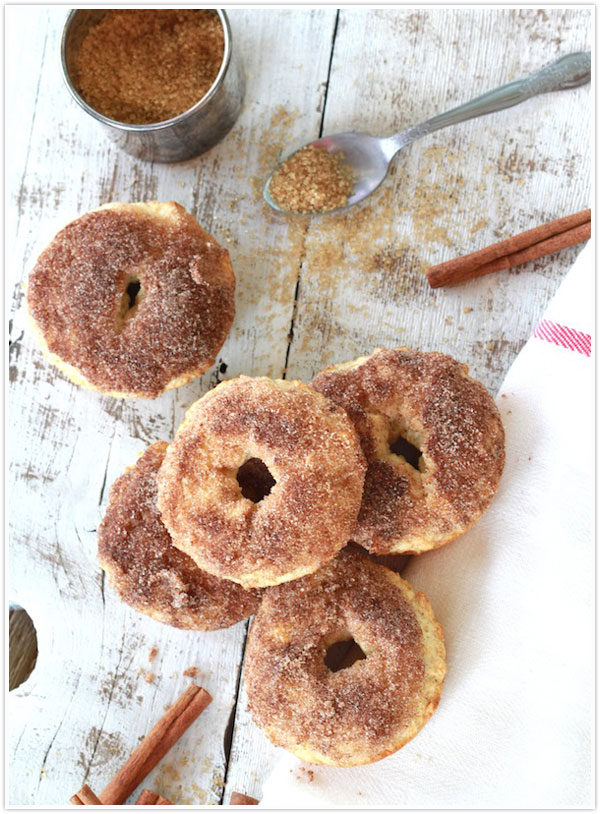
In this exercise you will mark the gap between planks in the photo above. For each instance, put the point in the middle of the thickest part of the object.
(304, 236)
(284, 376)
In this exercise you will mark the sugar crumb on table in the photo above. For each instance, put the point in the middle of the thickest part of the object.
(305, 774)
(148, 677)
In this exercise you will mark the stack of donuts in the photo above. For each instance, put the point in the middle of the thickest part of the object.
(250, 509)
(275, 497)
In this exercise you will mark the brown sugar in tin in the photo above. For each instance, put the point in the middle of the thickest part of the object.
(165, 83)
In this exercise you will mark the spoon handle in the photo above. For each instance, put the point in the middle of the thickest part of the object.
(569, 71)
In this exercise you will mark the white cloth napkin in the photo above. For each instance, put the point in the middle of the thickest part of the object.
(515, 597)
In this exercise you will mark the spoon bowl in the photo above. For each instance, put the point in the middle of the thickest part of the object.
(368, 158)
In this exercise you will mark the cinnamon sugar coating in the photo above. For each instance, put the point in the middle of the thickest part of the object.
(428, 399)
(132, 299)
(361, 713)
(145, 568)
(312, 454)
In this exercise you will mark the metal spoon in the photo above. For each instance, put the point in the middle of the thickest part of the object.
(369, 157)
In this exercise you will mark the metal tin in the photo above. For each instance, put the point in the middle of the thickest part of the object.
(192, 132)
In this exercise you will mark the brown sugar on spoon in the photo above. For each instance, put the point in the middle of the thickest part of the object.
(312, 180)
(143, 65)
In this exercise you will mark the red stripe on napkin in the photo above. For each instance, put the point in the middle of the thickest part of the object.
(563, 336)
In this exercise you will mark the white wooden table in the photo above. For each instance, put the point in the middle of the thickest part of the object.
(309, 293)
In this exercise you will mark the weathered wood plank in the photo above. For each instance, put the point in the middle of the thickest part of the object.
(252, 753)
(94, 693)
(360, 284)
(462, 188)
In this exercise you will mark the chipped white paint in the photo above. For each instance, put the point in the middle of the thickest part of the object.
(334, 287)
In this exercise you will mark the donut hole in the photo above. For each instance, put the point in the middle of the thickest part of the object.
(132, 291)
(130, 299)
(343, 654)
(255, 480)
(400, 443)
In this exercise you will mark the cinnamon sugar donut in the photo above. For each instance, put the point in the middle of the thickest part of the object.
(365, 711)
(145, 568)
(263, 481)
(421, 494)
(132, 299)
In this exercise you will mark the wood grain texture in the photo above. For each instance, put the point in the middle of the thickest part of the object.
(93, 694)
(362, 283)
(310, 292)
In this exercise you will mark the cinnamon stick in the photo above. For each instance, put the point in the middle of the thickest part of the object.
(85, 797)
(156, 744)
(239, 799)
(530, 245)
(151, 798)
